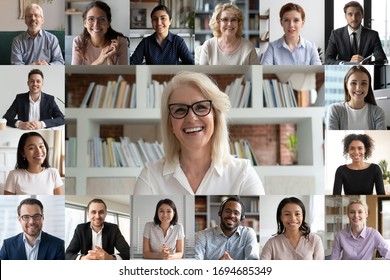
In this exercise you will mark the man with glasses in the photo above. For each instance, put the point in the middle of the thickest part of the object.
(33, 243)
(229, 240)
(35, 46)
(97, 239)
(353, 43)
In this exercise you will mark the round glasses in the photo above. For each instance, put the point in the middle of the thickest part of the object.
(36, 217)
(180, 111)
(101, 20)
(227, 20)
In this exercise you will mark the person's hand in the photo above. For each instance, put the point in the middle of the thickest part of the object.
(226, 256)
(40, 62)
(97, 254)
(113, 48)
(34, 125)
(165, 252)
(357, 58)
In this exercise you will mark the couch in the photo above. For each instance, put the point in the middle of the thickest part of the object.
(6, 38)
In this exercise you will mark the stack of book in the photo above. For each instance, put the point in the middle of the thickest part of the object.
(154, 93)
(71, 152)
(242, 149)
(239, 92)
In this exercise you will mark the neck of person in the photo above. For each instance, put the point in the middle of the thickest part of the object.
(292, 234)
(357, 165)
(34, 168)
(228, 232)
(35, 96)
(98, 42)
(292, 42)
(357, 229)
(353, 29)
(31, 239)
(160, 37)
(356, 104)
(33, 33)
(229, 41)
(164, 227)
(97, 229)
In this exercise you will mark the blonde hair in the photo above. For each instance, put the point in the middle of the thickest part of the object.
(215, 23)
(220, 104)
(358, 201)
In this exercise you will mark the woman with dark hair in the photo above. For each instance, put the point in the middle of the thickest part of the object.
(99, 43)
(359, 109)
(33, 174)
(162, 47)
(164, 237)
(292, 48)
(358, 177)
(293, 240)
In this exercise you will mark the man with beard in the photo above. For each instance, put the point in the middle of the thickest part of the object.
(97, 239)
(354, 42)
(33, 243)
(229, 240)
(35, 46)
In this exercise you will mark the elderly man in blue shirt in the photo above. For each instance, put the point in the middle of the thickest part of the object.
(35, 46)
(229, 240)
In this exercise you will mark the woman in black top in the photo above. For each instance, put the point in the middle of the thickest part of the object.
(358, 177)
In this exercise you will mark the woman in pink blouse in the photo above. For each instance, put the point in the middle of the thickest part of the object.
(99, 44)
(293, 240)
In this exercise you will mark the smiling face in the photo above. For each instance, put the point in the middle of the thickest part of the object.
(228, 23)
(96, 23)
(165, 214)
(354, 17)
(193, 132)
(231, 216)
(35, 83)
(357, 87)
(97, 214)
(292, 23)
(33, 19)
(291, 217)
(32, 227)
(356, 151)
(357, 215)
(34, 150)
(161, 22)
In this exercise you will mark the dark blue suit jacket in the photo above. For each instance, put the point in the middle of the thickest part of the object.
(339, 46)
(50, 248)
(111, 238)
(49, 111)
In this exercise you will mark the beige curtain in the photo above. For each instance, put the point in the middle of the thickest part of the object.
(59, 152)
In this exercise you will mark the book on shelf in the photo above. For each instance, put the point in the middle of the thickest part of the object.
(71, 152)
(239, 92)
(242, 149)
(252, 223)
(278, 95)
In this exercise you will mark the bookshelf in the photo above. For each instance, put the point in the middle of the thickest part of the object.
(204, 10)
(336, 218)
(84, 124)
(72, 10)
(207, 207)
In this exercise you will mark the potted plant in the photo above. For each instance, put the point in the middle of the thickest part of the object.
(292, 147)
(385, 173)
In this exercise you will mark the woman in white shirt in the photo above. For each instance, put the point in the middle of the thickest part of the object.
(33, 174)
(164, 237)
(359, 110)
(196, 144)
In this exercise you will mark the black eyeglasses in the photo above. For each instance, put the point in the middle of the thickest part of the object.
(180, 111)
(36, 217)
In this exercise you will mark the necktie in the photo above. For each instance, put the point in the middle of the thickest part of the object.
(354, 44)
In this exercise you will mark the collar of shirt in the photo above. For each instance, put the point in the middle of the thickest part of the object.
(282, 43)
(218, 231)
(363, 234)
(37, 241)
(358, 32)
(169, 37)
(34, 102)
(29, 36)
(173, 168)
(90, 225)
(97, 239)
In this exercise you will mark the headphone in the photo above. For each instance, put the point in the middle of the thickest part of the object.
(236, 199)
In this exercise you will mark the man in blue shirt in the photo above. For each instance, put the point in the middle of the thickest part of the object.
(229, 240)
(35, 46)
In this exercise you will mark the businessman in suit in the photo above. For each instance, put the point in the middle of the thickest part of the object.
(32, 243)
(34, 109)
(97, 239)
(354, 42)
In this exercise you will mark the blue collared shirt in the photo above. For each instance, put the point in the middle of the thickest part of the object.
(32, 252)
(212, 243)
(173, 51)
(278, 53)
(44, 46)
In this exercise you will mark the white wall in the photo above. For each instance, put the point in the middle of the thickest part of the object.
(13, 80)
(314, 27)
(53, 15)
(334, 151)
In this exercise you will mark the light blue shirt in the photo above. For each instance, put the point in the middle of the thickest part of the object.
(27, 49)
(212, 243)
(32, 252)
(278, 53)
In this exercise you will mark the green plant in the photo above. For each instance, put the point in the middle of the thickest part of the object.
(383, 165)
(292, 146)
